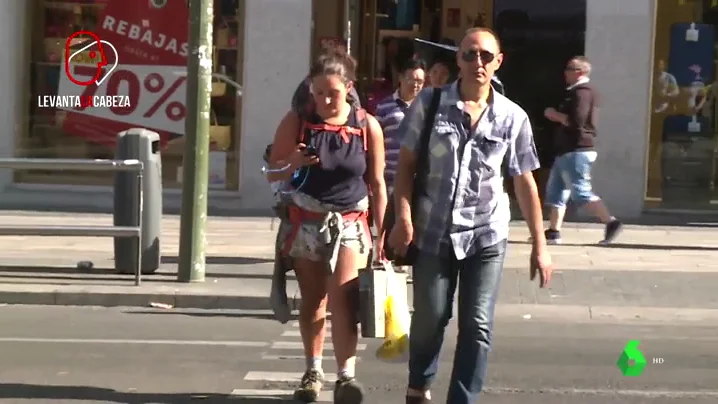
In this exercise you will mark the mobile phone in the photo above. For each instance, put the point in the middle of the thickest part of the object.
(310, 151)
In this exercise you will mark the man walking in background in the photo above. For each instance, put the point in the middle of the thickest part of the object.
(570, 175)
(390, 113)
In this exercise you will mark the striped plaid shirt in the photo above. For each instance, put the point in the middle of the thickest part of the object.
(390, 112)
(464, 203)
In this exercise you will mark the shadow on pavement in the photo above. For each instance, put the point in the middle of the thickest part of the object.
(19, 391)
(63, 273)
(219, 260)
(659, 247)
(207, 314)
(633, 246)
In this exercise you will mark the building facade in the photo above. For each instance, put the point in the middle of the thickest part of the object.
(657, 139)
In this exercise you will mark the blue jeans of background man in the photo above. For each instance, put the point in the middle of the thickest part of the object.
(571, 178)
(435, 281)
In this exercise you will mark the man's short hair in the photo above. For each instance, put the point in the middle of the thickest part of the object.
(411, 65)
(477, 30)
(582, 63)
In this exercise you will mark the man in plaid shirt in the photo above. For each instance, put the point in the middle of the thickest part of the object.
(460, 222)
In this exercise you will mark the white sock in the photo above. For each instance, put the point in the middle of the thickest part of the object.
(314, 363)
(349, 370)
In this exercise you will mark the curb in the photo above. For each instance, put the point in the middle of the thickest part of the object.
(504, 312)
(185, 301)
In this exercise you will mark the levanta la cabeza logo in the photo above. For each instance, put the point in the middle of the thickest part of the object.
(86, 68)
(102, 71)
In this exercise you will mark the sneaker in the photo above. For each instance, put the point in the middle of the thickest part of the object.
(552, 236)
(348, 391)
(310, 386)
(613, 229)
(417, 400)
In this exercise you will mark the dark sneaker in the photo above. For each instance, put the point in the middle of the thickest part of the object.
(417, 400)
(310, 386)
(552, 236)
(348, 391)
(613, 229)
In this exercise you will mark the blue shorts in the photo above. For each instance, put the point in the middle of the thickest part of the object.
(571, 178)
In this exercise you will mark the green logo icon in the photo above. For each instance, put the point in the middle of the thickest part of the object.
(631, 362)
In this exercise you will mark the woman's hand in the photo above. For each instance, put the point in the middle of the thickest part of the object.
(379, 252)
(301, 157)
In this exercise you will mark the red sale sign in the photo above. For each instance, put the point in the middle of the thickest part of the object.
(150, 39)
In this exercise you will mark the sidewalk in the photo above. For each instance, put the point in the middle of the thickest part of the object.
(654, 274)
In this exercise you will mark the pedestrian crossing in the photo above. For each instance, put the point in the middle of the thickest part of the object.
(283, 367)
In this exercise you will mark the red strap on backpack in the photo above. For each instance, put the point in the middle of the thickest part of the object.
(344, 131)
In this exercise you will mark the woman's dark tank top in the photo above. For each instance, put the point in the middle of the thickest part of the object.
(338, 179)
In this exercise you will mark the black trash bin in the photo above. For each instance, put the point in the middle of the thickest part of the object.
(143, 145)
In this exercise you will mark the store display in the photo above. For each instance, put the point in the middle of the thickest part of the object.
(152, 48)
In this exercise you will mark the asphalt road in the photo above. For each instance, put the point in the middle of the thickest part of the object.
(97, 355)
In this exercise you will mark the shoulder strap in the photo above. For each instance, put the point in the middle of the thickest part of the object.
(422, 157)
(361, 117)
(302, 129)
(362, 122)
(429, 116)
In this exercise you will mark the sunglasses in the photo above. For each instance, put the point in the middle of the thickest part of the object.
(473, 55)
(571, 69)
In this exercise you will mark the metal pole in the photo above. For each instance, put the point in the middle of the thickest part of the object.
(193, 221)
(140, 213)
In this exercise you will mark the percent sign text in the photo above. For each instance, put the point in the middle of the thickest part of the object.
(156, 99)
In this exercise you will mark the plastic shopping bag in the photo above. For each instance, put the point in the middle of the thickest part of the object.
(397, 321)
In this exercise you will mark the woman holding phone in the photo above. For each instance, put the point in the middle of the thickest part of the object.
(338, 152)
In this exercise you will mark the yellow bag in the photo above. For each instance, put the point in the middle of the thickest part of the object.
(397, 323)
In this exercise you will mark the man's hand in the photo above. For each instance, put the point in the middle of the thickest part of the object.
(401, 236)
(541, 264)
(552, 115)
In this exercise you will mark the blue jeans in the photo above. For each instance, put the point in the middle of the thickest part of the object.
(571, 178)
(435, 281)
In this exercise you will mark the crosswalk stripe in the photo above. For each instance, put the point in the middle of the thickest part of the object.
(255, 376)
(290, 357)
(324, 396)
(298, 345)
(282, 357)
(298, 334)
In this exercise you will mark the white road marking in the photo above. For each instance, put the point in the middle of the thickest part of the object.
(289, 357)
(256, 376)
(298, 345)
(297, 334)
(254, 344)
(282, 357)
(324, 396)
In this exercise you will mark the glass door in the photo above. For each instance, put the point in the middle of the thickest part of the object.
(683, 137)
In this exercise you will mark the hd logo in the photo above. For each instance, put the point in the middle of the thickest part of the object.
(631, 362)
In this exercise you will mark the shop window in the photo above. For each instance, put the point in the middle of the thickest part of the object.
(683, 139)
(539, 37)
(150, 38)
